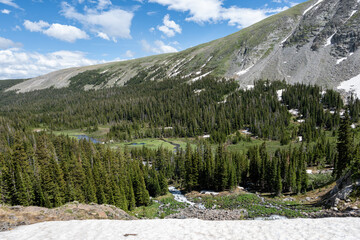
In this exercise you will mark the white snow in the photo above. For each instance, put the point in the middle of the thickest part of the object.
(175, 68)
(283, 41)
(340, 60)
(351, 14)
(279, 94)
(312, 6)
(206, 62)
(242, 72)
(328, 41)
(352, 85)
(246, 131)
(294, 111)
(200, 77)
(175, 229)
(188, 75)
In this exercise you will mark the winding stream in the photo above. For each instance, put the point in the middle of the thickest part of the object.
(176, 146)
(179, 197)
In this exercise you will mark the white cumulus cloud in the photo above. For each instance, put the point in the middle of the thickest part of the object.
(35, 26)
(114, 22)
(7, 43)
(170, 28)
(65, 33)
(17, 63)
(158, 47)
(201, 11)
(5, 11)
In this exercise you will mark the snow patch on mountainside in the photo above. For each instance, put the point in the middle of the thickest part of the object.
(352, 85)
(325, 228)
(200, 77)
(312, 6)
(328, 41)
(340, 60)
(242, 72)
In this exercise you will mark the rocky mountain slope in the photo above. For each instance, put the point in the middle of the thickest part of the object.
(313, 42)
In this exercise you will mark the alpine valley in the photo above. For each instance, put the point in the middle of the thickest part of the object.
(262, 124)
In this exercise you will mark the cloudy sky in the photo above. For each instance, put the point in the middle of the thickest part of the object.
(40, 36)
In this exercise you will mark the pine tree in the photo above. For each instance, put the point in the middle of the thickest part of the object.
(278, 183)
(344, 145)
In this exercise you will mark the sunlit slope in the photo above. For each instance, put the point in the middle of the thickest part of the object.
(313, 42)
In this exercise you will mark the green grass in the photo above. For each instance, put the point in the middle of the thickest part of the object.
(149, 143)
(155, 143)
(160, 207)
(100, 134)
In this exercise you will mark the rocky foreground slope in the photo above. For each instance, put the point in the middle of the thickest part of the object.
(13, 216)
(313, 42)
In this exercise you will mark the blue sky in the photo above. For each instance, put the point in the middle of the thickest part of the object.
(40, 36)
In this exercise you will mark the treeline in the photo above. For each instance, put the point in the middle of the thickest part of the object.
(175, 108)
(45, 170)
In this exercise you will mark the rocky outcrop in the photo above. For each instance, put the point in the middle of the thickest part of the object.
(12, 216)
(338, 197)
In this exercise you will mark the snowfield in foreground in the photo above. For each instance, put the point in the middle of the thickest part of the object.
(326, 228)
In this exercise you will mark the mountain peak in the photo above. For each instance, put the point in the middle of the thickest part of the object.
(313, 42)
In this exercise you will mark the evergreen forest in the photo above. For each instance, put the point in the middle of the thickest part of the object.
(314, 127)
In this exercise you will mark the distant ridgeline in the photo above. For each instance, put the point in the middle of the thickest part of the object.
(46, 170)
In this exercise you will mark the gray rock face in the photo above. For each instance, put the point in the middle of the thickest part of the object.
(314, 42)
(342, 190)
(322, 49)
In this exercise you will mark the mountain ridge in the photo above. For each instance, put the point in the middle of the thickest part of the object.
(313, 42)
